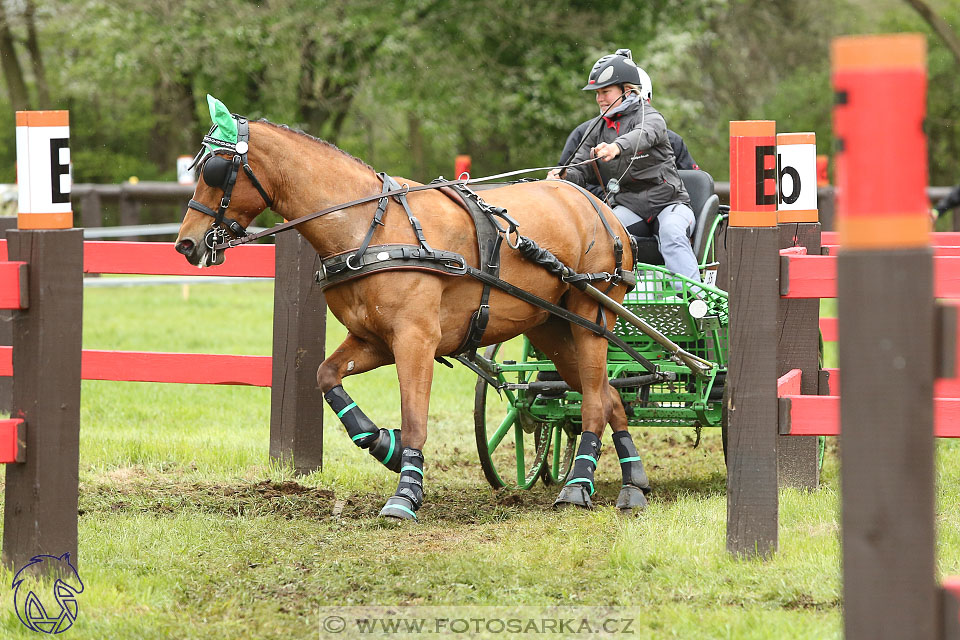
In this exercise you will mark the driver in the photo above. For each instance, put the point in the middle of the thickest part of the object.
(637, 164)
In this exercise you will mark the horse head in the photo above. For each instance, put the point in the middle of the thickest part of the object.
(228, 195)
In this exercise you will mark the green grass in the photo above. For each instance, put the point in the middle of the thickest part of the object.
(188, 531)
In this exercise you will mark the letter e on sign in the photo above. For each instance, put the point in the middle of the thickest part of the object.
(44, 175)
(797, 177)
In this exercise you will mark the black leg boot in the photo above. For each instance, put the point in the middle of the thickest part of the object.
(384, 445)
(404, 504)
(635, 483)
(579, 487)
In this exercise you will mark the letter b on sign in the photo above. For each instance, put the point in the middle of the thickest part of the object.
(797, 177)
(43, 170)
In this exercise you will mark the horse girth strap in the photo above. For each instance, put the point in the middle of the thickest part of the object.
(489, 240)
(346, 266)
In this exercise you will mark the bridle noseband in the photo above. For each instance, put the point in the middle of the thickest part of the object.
(219, 171)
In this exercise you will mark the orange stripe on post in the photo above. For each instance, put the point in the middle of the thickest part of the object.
(43, 118)
(753, 128)
(884, 232)
(796, 138)
(798, 215)
(753, 219)
(895, 51)
(45, 220)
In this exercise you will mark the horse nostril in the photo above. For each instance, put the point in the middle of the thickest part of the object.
(185, 247)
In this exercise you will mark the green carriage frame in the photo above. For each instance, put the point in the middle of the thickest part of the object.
(542, 417)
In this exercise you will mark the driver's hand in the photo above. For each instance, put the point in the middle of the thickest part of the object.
(607, 152)
(553, 174)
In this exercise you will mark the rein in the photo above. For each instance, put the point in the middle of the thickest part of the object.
(244, 238)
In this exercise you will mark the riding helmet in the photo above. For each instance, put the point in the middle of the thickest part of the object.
(616, 68)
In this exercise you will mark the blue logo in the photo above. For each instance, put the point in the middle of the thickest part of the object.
(66, 587)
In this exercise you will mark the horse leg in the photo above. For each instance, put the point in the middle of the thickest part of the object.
(355, 356)
(413, 350)
(635, 484)
(600, 405)
(554, 338)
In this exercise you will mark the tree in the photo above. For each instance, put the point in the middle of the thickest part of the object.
(12, 72)
(939, 26)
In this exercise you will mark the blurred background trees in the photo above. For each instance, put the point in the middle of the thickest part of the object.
(408, 85)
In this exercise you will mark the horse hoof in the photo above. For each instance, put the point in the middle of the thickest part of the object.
(399, 508)
(573, 495)
(631, 499)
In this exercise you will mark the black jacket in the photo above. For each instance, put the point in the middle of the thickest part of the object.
(681, 154)
(646, 163)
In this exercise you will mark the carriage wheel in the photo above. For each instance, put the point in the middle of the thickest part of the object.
(511, 446)
(563, 450)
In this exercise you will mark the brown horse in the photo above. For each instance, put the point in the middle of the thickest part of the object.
(408, 317)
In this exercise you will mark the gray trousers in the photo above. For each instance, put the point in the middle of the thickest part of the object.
(677, 223)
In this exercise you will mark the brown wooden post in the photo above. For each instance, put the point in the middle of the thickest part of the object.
(886, 339)
(91, 214)
(129, 206)
(299, 331)
(798, 321)
(41, 494)
(751, 398)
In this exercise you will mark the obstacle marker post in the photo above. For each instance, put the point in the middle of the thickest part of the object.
(798, 320)
(887, 343)
(751, 385)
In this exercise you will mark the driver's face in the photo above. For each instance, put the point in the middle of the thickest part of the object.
(606, 96)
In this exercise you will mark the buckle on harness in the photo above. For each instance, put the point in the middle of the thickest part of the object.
(350, 266)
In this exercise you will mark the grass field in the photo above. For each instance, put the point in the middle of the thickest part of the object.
(187, 531)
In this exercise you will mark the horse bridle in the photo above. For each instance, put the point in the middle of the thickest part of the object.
(219, 171)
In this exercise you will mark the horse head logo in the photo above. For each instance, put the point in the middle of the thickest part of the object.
(30, 580)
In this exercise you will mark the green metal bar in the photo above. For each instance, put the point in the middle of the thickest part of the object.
(557, 435)
(518, 443)
(502, 430)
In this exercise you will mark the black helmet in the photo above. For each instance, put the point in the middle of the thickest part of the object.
(616, 68)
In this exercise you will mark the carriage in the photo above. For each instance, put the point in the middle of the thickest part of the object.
(527, 420)
(563, 284)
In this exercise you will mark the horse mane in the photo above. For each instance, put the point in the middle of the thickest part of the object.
(304, 134)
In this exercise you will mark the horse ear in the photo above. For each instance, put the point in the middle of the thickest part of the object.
(226, 126)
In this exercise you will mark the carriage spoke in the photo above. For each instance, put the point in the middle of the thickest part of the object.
(502, 429)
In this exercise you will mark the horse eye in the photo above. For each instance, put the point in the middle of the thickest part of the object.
(215, 171)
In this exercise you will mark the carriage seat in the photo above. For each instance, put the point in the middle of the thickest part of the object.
(705, 204)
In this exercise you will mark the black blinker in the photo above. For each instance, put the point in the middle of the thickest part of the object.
(215, 171)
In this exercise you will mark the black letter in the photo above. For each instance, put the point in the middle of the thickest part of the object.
(795, 177)
(764, 174)
(57, 170)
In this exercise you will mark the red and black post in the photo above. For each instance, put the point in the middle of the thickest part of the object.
(887, 337)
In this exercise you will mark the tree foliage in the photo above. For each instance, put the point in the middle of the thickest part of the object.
(407, 85)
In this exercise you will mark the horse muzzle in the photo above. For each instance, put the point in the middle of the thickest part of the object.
(200, 254)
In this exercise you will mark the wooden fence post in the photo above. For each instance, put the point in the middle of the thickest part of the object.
(798, 321)
(41, 494)
(299, 331)
(751, 398)
(886, 346)
(91, 214)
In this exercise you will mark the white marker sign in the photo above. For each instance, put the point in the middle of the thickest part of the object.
(44, 175)
(797, 175)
